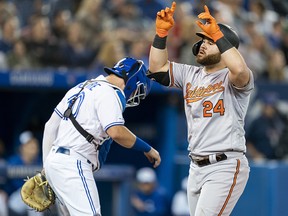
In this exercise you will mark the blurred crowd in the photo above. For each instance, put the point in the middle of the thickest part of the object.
(91, 34)
(87, 34)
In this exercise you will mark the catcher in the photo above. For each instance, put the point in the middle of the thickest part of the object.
(78, 135)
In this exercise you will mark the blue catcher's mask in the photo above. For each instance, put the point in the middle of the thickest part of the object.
(137, 84)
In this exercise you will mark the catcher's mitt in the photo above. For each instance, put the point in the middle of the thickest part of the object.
(37, 193)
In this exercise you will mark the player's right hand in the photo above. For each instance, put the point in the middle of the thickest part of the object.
(165, 20)
(154, 157)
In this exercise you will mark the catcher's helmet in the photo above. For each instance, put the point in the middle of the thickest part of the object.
(137, 84)
(229, 33)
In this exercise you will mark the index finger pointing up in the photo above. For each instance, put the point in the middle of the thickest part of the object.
(206, 9)
(173, 6)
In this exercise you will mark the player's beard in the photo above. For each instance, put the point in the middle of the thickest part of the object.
(210, 59)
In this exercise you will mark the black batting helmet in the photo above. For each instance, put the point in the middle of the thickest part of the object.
(229, 33)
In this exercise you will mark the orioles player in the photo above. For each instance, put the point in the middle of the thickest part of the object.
(97, 105)
(216, 97)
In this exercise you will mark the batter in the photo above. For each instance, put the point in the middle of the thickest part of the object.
(216, 97)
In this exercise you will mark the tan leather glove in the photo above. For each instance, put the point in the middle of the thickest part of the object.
(37, 193)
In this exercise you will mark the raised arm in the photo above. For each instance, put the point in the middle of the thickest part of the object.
(158, 58)
(239, 73)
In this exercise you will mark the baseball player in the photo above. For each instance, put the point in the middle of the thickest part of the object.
(71, 154)
(216, 97)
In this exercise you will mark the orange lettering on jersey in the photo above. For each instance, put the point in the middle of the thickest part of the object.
(198, 93)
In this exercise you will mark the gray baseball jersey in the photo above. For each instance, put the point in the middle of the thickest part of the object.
(215, 111)
(214, 108)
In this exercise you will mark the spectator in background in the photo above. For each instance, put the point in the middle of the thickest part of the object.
(263, 16)
(149, 198)
(3, 203)
(187, 28)
(28, 155)
(7, 9)
(112, 7)
(180, 200)
(280, 7)
(129, 24)
(109, 54)
(76, 51)
(276, 67)
(59, 25)
(150, 8)
(275, 37)
(284, 44)
(257, 54)
(3, 194)
(9, 34)
(139, 49)
(265, 131)
(40, 44)
(19, 58)
(25, 8)
(92, 19)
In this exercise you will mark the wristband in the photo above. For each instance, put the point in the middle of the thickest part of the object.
(159, 42)
(141, 145)
(223, 44)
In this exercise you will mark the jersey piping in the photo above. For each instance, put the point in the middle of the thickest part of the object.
(231, 188)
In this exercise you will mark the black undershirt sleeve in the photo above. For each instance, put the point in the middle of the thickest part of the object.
(160, 77)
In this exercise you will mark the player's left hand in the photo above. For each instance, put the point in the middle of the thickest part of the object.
(154, 157)
(210, 27)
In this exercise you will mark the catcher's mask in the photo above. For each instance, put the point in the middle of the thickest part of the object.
(229, 33)
(137, 84)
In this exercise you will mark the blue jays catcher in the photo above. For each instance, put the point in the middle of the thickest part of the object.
(78, 135)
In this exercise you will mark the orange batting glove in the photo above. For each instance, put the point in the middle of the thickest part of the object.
(210, 27)
(165, 20)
